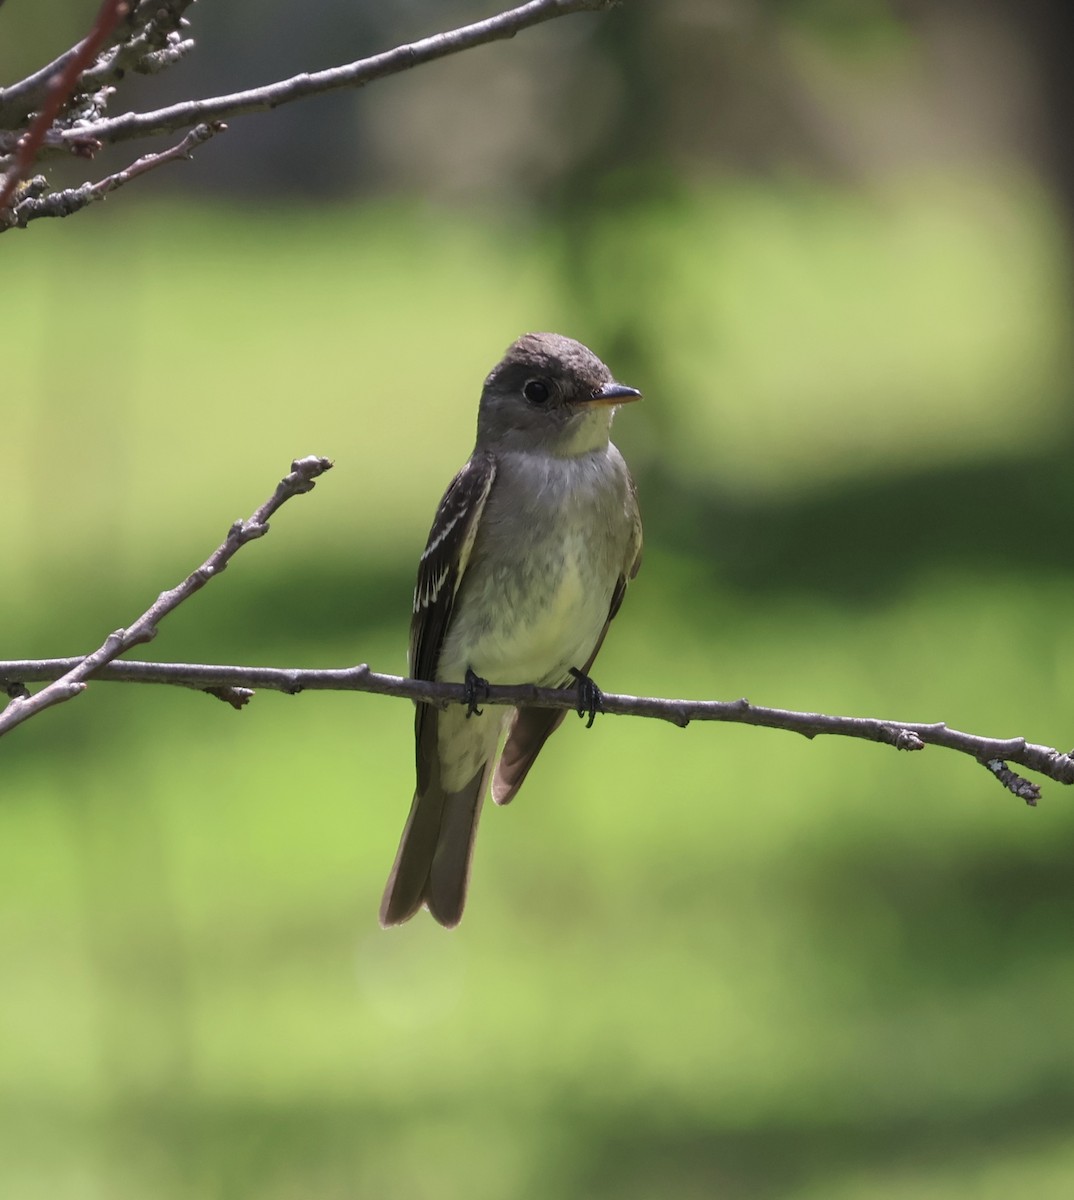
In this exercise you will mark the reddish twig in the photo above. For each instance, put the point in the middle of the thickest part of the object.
(73, 681)
(62, 85)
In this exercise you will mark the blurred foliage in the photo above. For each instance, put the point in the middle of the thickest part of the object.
(712, 962)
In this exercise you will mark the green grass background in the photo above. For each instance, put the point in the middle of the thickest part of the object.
(713, 962)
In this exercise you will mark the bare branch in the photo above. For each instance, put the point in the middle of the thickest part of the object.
(147, 36)
(994, 753)
(352, 75)
(61, 204)
(73, 680)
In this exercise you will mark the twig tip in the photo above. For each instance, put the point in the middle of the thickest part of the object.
(1024, 789)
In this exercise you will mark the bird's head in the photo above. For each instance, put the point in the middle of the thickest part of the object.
(549, 393)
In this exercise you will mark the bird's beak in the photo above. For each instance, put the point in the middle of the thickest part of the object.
(613, 393)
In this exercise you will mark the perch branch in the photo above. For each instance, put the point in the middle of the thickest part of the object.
(993, 753)
(70, 682)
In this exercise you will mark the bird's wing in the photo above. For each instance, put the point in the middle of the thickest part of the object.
(632, 564)
(443, 561)
(531, 727)
(440, 572)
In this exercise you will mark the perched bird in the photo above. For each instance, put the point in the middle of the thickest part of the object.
(526, 564)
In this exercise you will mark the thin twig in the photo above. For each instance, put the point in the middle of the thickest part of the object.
(994, 753)
(73, 680)
(351, 75)
(70, 200)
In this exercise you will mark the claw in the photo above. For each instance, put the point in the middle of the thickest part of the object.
(590, 697)
(477, 689)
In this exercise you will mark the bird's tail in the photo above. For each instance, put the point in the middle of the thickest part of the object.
(432, 865)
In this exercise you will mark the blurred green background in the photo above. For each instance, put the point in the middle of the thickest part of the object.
(830, 241)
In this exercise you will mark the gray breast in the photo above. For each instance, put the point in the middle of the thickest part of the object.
(553, 542)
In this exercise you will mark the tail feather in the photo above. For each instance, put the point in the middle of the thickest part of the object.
(405, 889)
(432, 866)
(449, 872)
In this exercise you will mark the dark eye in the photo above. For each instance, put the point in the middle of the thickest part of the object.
(536, 391)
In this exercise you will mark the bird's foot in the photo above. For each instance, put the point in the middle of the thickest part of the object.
(477, 689)
(590, 697)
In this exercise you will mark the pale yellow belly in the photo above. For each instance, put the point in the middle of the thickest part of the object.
(531, 638)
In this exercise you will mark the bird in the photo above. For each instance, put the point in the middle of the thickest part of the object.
(525, 567)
